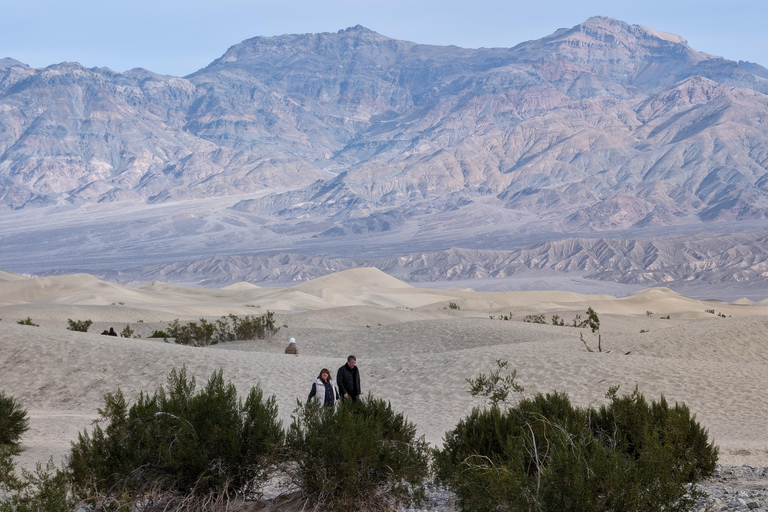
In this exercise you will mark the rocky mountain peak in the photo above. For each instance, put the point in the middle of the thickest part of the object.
(285, 50)
(8, 62)
(617, 31)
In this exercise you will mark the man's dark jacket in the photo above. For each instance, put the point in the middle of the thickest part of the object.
(348, 380)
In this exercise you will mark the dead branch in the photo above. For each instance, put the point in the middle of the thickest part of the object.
(585, 342)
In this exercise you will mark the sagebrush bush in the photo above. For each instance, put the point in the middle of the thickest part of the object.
(358, 456)
(227, 328)
(177, 445)
(78, 325)
(46, 489)
(13, 424)
(545, 454)
(13, 421)
(28, 321)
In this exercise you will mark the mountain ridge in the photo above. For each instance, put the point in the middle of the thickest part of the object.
(317, 142)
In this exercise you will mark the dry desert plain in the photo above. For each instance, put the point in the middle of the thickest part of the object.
(412, 349)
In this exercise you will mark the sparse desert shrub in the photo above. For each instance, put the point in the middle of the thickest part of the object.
(13, 421)
(27, 321)
(159, 334)
(227, 328)
(78, 325)
(592, 321)
(534, 319)
(712, 311)
(127, 332)
(665, 317)
(648, 313)
(378, 464)
(556, 320)
(633, 426)
(46, 489)
(453, 305)
(177, 445)
(543, 453)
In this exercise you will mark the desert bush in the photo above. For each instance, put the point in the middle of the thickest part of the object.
(453, 305)
(534, 319)
(178, 447)
(46, 489)
(360, 456)
(27, 321)
(13, 424)
(556, 320)
(629, 422)
(592, 321)
(13, 421)
(78, 325)
(227, 328)
(127, 332)
(543, 453)
(159, 334)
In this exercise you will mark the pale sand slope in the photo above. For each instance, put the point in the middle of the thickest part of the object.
(411, 349)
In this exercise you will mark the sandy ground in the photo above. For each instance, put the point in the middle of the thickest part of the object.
(412, 349)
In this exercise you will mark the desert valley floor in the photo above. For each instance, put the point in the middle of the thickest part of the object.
(412, 349)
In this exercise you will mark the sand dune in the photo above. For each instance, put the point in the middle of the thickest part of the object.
(412, 349)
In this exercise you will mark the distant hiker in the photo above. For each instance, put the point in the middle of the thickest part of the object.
(105, 332)
(292, 348)
(112, 331)
(348, 379)
(324, 389)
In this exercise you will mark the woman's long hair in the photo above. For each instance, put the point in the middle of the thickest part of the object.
(324, 370)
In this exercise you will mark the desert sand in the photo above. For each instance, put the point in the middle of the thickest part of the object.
(412, 349)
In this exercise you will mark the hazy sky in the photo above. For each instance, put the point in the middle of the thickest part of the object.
(178, 37)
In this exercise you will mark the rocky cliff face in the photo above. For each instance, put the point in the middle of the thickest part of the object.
(326, 138)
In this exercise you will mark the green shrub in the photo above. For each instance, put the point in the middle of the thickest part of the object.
(13, 424)
(545, 454)
(179, 446)
(629, 421)
(127, 332)
(453, 305)
(78, 325)
(592, 321)
(360, 456)
(45, 489)
(159, 334)
(13, 421)
(534, 319)
(227, 328)
(27, 321)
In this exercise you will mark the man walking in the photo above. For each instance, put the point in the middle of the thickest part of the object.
(348, 379)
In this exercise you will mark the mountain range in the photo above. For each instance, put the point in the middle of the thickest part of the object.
(355, 145)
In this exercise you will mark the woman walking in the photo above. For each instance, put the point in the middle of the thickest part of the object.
(324, 389)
